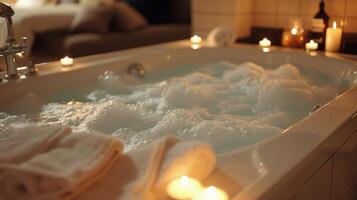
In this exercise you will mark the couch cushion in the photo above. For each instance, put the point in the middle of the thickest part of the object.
(94, 19)
(155, 11)
(127, 18)
(181, 11)
(91, 43)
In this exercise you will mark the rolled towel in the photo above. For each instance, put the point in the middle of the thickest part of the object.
(171, 159)
(221, 36)
(59, 165)
(26, 142)
(143, 174)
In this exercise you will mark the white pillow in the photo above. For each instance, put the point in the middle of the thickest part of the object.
(33, 3)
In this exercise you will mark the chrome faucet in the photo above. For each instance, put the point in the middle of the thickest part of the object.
(11, 48)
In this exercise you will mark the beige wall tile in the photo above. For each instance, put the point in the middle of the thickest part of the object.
(289, 6)
(225, 6)
(265, 20)
(335, 7)
(351, 25)
(265, 6)
(226, 21)
(285, 19)
(269, 13)
(203, 20)
(200, 32)
(351, 8)
(309, 7)
(202, 6)
(244, 6)
(243, 25)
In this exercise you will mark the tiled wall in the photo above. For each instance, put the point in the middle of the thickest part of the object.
(277, 13)
(242, 14)
(236, 14)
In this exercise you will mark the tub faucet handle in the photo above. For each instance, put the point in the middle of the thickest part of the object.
(6, 10)
(24, 41)
(32, 69)
(12, 48)
(2, 76)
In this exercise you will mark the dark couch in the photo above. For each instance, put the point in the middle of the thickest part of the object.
(173, 25)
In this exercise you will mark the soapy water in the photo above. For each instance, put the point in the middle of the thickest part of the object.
(227, 105)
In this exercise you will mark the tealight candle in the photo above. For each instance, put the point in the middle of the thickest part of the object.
(333, 38)
(211, 193)
(311, 45)
(196, 39)
(265, 43)
(294, 31)
(183, 188)
(66, 61)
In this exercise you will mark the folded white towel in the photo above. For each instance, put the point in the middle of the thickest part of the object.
(53, 163)
(221, 36)
(143, 174)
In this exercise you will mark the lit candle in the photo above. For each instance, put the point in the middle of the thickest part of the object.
(183, 188)
(66, 61)
(265, 43)
(333, 38)
(311, 45)
(294, 31)
(196, 39)
(211, 193)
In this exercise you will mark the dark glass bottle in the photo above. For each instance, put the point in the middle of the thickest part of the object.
(319, 25)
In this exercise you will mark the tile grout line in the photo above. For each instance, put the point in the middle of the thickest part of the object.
(344, 17)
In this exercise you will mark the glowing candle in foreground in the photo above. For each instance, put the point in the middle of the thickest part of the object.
(183, 188)
(333, 38)
(211, 193)
(311, 45)
(66, 61)
(265, 43)
(196, 39)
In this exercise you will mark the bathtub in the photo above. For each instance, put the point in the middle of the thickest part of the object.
(312, 159)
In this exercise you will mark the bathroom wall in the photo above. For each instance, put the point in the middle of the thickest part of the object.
(241, 15)
(277, 13)
(236, 14)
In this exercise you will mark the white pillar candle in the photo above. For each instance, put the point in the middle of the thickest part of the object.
(333, 38)
(66, 61)
(311, 45)
(196, 39)
(211, 193)
(265, 43)
(183, 188)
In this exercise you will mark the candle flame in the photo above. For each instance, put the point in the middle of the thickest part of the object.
(212, 189)
(196, 39)
(294, 31)
(334, 25)
(184, 180)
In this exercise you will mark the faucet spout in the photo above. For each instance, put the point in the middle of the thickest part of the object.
(11, 48)
(7, 12)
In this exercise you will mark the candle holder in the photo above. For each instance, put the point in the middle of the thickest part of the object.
(295, 36)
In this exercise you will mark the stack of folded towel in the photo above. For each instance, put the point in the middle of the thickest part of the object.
(53, 163)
